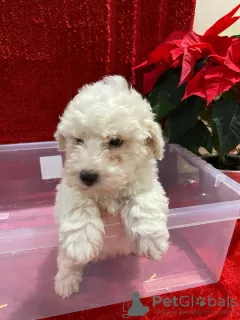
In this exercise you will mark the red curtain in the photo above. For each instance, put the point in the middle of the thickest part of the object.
(48, 49)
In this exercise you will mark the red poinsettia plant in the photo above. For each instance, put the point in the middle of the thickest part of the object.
(193, 84)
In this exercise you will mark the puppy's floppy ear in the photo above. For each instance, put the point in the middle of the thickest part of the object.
(155, 139)
(61, 142)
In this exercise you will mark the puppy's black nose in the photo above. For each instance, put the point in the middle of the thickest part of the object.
(88, 177)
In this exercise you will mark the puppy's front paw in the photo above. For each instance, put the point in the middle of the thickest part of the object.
(83, 245)
(152, 247)
(82, 250)
(66, 286)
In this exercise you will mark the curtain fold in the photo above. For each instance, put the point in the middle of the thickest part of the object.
(49, 49)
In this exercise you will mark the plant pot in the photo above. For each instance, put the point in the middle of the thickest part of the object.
(234, 165)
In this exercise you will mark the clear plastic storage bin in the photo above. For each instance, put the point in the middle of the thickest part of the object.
(204, 207)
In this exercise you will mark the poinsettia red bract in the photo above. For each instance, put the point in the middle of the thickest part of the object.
(184, 50)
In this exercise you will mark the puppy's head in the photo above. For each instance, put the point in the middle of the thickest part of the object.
(108, 133)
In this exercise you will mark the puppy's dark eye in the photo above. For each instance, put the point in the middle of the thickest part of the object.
(115, 142)
(79, 141)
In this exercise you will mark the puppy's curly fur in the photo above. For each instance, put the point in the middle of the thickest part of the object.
(111, 143)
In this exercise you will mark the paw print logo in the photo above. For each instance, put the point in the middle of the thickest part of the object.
(200, 301)
(136, 308)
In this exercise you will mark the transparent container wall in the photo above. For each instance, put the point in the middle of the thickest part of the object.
(20, 172)
(192, 260)
(204, 207)
(26, 200)
(190, 181)
(23, 191)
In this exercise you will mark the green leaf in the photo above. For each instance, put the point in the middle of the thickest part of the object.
(216, 143)
(167, 130)
(161, 109)
(196, 137)
(185, 116)
(206, 115)
(228, 94)
(226, 116)
(166, 95)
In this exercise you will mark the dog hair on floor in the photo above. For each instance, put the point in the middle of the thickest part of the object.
(111, 143)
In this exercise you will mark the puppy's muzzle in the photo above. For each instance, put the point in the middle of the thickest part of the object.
(88, 178)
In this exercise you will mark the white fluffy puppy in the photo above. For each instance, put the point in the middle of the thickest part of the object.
(111, 142)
